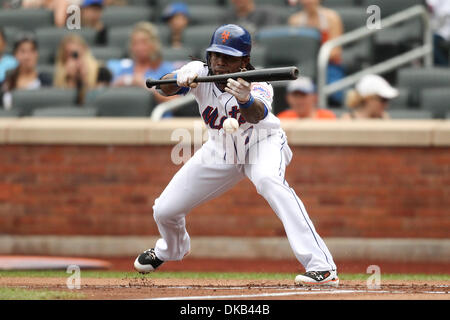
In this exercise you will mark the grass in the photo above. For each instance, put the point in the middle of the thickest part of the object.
(40, 294)
(215, 275)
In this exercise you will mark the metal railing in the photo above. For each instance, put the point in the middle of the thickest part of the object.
(425, 51)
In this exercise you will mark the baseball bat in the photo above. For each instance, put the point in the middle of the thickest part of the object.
(270, 74)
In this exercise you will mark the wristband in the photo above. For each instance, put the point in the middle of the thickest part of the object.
(247, 104)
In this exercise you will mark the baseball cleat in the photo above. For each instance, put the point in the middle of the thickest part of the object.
(312, 278)
(147, 261)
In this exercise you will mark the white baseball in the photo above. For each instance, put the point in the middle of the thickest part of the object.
(230, 125)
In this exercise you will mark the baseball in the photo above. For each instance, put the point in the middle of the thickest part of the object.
(230, 125)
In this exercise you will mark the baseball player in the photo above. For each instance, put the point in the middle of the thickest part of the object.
(197, 182)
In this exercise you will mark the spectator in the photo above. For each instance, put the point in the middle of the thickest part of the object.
(147, 60)
(330, 25)
(7, 61)
(91, 17)
(76, 67)
(25, 76)
(370, 98)
(302, 100)
(246, 14)
(176, 15)
(440, 20)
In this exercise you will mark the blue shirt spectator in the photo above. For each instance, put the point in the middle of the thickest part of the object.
(7, 62)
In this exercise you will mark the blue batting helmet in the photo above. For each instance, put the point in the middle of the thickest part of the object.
(232, 40)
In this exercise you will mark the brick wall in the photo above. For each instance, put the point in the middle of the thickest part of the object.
(109, 190)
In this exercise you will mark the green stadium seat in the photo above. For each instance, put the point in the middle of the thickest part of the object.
(417, 79)
(10, 34)
(49, 38)
(124, 102)
(65, 111)
(339, 3)
(198, 38)
(177, 54)
(189, 110)
(400, 102)
(12, 113)
(206, 15)
(119, 37)
(258, 56)
(436, 101)
(26, 101)
(26, 19)
(294, 46)
(116, 16)
(352, 18)
(106, 53)
(409, 114)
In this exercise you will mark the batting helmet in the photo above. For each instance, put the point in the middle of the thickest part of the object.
(232, 40)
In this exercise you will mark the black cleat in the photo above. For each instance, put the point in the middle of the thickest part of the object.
(311, 278)
(147, 261)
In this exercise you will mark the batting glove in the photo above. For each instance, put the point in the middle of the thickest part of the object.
(240, 89)
(188, 73)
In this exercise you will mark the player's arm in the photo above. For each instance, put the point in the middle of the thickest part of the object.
(169, 89)
(252, 109)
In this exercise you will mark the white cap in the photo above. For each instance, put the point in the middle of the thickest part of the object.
(302, 84)
(373, 84)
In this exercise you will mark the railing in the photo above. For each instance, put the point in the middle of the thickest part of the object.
(170, 105)
(425, 51)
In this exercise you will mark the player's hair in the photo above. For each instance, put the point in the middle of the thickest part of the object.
(151, 32)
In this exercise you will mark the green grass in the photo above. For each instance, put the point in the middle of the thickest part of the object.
(215, 275)
(41, 294)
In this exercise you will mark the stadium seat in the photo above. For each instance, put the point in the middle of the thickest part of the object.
(198, 38)
(206, 15)
(106, 53)
(279, 93)
(164, 34)
(401, 102)
(436, 101)
(26, 19)
(409, 114)
(28, 100)
(352, 18)
(124, 102)
(416, 79)
(189, 110)
(116, 16)
(177, 54)
(390, 7)
(338, 3)
(285, 12)
(258, 56)
(294, 46)
(9, 113)
(65, 111)
(49, 38)
(10, 34)
(119, 37)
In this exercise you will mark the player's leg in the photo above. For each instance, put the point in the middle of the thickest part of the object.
(196, 182)
(266, 170)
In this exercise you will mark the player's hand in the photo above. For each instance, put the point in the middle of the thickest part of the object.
(188, 73)
(240, 89)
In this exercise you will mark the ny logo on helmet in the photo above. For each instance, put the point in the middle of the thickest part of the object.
(225, 36)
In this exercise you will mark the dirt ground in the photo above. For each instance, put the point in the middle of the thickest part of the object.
(205, 289)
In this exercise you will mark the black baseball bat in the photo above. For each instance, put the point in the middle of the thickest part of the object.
(270, 74)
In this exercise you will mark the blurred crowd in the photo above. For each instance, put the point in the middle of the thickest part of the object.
(76, 67)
